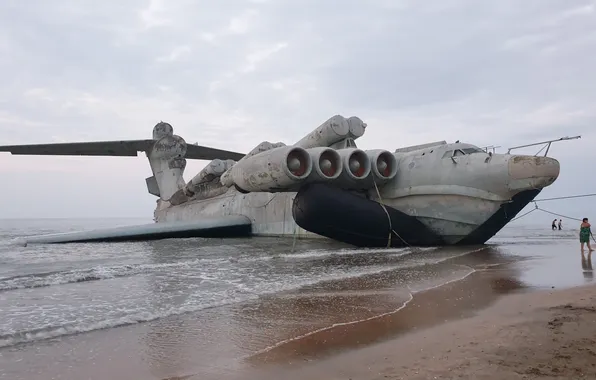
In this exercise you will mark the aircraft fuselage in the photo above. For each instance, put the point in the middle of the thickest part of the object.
(452, 189)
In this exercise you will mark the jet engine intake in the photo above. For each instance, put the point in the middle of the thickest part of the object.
(356, 168)
(383, 165)
(274, 170)
(357, 163)
(327, 164)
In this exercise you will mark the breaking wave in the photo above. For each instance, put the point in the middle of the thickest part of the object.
(231, 285)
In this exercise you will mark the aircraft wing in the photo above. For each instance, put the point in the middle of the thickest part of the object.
(227, 226)
(197, 152)
(96, 148)
(114, 148)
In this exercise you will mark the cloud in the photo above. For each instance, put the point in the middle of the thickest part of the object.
(241, 24)
(175, 54)
(260, 55)
(234, 73)
(155, 14)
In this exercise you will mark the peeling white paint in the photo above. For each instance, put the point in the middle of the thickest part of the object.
(451, 188)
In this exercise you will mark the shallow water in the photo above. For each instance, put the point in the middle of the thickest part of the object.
(210, 306)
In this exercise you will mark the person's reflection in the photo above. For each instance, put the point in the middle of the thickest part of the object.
(587, 266)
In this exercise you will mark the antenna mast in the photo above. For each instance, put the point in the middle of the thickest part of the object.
(546, 144)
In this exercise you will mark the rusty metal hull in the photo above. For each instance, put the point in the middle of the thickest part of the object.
(452, 216)
(499, 219)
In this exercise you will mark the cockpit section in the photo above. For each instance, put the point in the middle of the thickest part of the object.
(440, 150)
(461, 150)
(462, 168)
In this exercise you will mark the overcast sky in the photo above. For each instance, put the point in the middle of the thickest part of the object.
(231, 73)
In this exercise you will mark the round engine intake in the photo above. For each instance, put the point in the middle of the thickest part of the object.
(277, 169)
(356, 163)
(327, 164)
(298, 163)
(384, 164)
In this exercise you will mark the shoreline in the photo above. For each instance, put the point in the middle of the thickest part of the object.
(531, 334)
(346, 328)
(347, 324)
(435, 305)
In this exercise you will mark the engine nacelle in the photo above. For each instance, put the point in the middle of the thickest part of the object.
(383, 165)
(278, 169)
(335, 129)
(226, 178)
(203, 183)
(213, 170)
(357, 127)
(327, 164)
(356, 168)
(262, 147)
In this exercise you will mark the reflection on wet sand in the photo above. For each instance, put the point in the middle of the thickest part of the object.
(163, 345)
(279, 327)
(454, 300)
(587, 266)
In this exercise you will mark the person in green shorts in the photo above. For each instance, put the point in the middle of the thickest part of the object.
(584, 234)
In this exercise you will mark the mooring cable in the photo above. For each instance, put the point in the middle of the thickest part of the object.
(565, 197)
(535, 201)
(391, 230)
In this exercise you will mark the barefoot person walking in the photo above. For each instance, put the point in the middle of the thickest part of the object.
(584, 234)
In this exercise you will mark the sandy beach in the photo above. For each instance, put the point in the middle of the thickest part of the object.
(547, 334)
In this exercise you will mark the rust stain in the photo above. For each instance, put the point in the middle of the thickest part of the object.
(530, 160)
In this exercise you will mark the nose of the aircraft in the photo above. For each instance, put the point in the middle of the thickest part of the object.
(532, 172)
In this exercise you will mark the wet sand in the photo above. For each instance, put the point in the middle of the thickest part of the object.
(487, 326)
(537, 335)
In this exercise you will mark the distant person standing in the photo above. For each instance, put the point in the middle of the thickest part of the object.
(584, 234)
(560, 221)
(554, 225)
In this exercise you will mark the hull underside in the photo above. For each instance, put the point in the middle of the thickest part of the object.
(347, 217)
